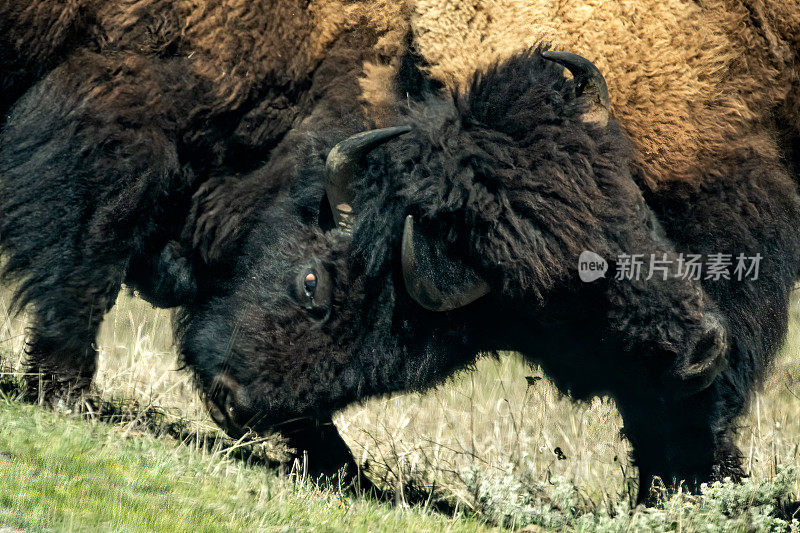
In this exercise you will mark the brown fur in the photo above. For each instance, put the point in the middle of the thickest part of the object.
(684, 77)
(238, 45)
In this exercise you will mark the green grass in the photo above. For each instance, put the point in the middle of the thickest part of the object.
(481, 448)
(62, 473)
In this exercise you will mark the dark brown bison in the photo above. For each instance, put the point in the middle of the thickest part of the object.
(223, 157)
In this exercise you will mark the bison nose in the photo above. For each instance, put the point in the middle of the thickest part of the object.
(224, 406)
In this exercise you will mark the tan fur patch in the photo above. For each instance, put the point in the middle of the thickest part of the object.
(240, 43)
(675, 68)
(684, 75)
(378, 92)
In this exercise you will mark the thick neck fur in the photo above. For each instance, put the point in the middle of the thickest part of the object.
(477, 159)
(227, 78)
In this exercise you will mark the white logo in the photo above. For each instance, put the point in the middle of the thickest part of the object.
(591, 267)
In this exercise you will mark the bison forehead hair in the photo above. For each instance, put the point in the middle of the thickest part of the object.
(507, 174)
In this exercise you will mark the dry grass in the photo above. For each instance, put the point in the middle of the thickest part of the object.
(492, 419)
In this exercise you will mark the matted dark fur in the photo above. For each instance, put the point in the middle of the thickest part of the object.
(125, 158)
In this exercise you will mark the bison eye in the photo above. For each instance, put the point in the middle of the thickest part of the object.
(310, 284)
(313, 288)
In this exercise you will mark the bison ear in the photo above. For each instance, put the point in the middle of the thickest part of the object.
(589, 84)
(166, 279)
(222, 209)
(433, 280)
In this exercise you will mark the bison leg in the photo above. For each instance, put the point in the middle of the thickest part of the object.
(61, 357)
(83, 165)
(674, 440)
(320, 449)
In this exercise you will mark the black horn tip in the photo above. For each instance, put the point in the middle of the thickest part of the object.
(355, 146)
(587, 75)
(341, 165)
(431, 280)
(420, 291)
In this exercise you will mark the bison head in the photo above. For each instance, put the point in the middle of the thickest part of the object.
(454, 233)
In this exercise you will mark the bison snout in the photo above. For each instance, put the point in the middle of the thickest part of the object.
(227, 406)
(699, 368)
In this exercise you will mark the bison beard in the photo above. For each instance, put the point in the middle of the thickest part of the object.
(120, 166)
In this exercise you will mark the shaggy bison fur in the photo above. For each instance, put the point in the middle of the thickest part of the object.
(181, 148)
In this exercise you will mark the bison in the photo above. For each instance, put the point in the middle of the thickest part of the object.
(347, 199)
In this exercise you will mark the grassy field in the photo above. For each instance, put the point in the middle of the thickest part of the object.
(488, 449)
(64, 474)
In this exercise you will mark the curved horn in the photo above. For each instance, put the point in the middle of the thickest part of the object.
(342, 164)
(434, 281)
(589, 82)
